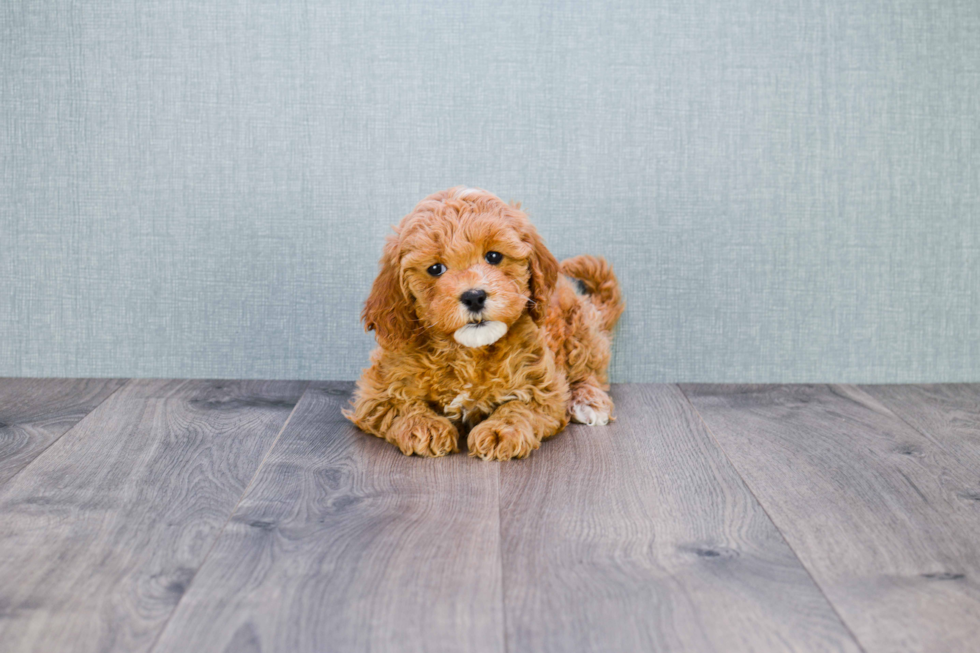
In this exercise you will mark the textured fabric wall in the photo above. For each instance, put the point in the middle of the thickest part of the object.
(790, 190)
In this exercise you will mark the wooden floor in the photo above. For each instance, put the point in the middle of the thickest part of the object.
(241, 516)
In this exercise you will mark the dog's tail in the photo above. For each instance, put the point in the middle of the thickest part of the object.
(599, 282)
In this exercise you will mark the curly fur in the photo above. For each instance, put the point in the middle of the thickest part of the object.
(424, 389)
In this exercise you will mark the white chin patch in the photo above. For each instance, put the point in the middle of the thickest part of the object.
(480, 335)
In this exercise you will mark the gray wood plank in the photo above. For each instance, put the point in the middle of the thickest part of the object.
(344, 544)
(641, 537)
(101, 534)
(36, 412)
(947, 414)
(874, 509)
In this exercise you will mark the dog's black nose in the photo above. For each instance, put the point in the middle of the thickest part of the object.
(474, 299)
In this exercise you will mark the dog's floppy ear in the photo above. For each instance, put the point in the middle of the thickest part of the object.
(388, 310)
(544, 276)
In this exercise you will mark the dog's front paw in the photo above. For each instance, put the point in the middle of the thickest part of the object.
(497, 439)
(424, 435)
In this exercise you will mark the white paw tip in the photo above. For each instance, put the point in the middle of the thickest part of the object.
(585, 414)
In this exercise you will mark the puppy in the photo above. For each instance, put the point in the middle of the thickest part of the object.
(482, 332)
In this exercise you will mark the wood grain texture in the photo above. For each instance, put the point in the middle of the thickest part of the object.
(879, 513)
(102, 533)
(641, 537)
(344, 544)
(948, 415)
(36, 412)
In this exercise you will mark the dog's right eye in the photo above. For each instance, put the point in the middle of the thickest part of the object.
(436, 269)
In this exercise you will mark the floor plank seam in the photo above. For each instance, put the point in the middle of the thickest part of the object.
(928, 436)
(217, 538)
(40, 453)
(500, 556)
(762, 506)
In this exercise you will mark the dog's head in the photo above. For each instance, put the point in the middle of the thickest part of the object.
(465, 263)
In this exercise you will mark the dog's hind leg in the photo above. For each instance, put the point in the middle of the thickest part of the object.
(590, 404)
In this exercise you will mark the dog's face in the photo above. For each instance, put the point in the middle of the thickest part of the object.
(462, 263)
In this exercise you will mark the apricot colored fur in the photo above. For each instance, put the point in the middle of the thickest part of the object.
(423, 389)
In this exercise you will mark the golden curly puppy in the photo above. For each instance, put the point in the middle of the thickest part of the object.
(481, 331)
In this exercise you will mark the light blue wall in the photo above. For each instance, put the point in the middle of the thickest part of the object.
(790, 190)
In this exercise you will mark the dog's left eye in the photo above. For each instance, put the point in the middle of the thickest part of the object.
(436, 269)
(493, 258)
